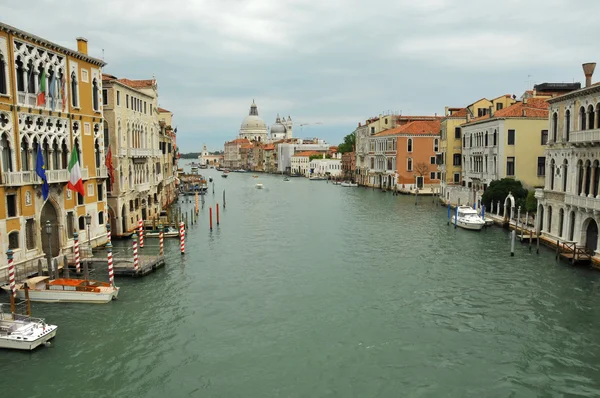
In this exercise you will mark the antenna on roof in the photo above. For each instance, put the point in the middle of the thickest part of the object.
(102, 54)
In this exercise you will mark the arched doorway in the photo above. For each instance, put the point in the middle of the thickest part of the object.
(572, 226)
(591, 235)
(124, 220)
(540, 217)
(49, 213)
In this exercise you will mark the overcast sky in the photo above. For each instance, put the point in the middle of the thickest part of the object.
(335, 62)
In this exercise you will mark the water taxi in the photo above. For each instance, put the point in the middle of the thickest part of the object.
(66, 290)
(349, 184)
(466, 217)
(168, 232)
(22, 332)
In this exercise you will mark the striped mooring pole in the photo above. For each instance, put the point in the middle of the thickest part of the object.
(197, 203)
(141, 232)
(108, 234)
(11, 280)
(182, 237)
(111, 275)
(76, 249)
(161, 240)
(136, 265)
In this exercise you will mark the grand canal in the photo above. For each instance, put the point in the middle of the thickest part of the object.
(313, 290)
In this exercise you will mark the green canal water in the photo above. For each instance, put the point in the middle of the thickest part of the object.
(312, 290)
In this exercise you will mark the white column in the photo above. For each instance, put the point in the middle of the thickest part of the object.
(584, 170)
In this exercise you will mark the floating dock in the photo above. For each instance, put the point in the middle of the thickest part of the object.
(123, 266)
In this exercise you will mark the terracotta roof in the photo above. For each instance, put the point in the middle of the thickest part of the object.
(269, 147)
(461, 112)
(246, 145)
(239, 141)
(163, 110)
(415, 127)
(530, 108)
(138, 83)
(308, 153)
(107, 77)
(503, 96)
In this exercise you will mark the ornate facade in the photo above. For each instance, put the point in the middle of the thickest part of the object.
(49, 99)
(569, 204)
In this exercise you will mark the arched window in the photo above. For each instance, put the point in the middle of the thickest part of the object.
(97, 153)
(554, 126)
(95, 95)
(77, 147)
(495, 138)
(590, 117)
(6, 153)
(13, 240)
(436, 145)
(74, 92)
(101, 218)
(486, 138)
(20, 75)
(81, 223)
(106, 138)
(582, 118)
(561, 218)
(25, 154)
(55, 155)
(471, 141)
(30, 78)
(550, 219)
(3, 79)
(409, 145)
(565, 172)
(567, 124)
(409, 164)
(64, 153)
(552, 174)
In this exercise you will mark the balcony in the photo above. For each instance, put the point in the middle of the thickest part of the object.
(145, 187)
(584, 137)
(581, 201)
(123, 152)
(54, 176)
(140, 152)
(29, 100)
(101, 172)
(85, 175)
(17, 178)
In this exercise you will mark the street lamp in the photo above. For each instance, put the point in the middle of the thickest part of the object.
(88, 221)
(49, 232)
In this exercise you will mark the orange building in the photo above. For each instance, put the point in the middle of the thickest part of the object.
(416, 145)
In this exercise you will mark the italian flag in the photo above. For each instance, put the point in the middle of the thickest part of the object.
(41, 95)
(75, 181)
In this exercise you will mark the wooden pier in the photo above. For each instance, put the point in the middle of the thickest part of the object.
(123, 266)
(571, 252)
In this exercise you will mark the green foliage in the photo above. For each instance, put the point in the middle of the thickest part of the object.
(348, 144)
(191, 155)
(499, 189)
(531, 202)
(320, 156)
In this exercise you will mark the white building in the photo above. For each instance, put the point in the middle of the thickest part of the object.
(300, 162)
(569, 204)
(285, 151)
(326, 167)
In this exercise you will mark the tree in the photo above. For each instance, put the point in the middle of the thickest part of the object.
(421, 169)
(348, 144)
(531, 202)
(499, 189)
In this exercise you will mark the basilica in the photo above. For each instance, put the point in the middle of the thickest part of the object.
(254, 128)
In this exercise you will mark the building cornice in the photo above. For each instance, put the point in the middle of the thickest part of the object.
(118, 83)
(52, 46)
(575, 94)
(493, 119)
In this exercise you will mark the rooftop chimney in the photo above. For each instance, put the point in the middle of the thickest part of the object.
(446, 111)
(588, 70)
(82, 45)
(524, 113)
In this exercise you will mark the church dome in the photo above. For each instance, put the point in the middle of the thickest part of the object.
(277, 128)
(253, 121)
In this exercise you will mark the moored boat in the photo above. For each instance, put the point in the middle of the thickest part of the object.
(286, 179)
(23, 332)
(466, 217)
(317, 178)
(224, 175)
(349, 184)
(66, 290)
(168, 232)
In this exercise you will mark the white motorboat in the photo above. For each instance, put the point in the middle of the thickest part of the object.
(259, 186)
(66, 290)
(317, 178)
(336, 182)
(468, 218)
(348, 184)
(168, 232)
(22, 332)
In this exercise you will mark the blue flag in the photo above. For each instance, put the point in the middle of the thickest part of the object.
(41, 172)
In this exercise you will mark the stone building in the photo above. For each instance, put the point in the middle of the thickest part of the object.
(569, 204)
(50, 99)
(142, 152)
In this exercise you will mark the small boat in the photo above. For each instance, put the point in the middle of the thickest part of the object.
(254, 176)
(66, 290)
(349, 184)
(168, 232)
(224, 175)
(22, 332)
(241, 171)
(259, 186)
(488, 221)
(286, 179)
(317, 178)
(209, 179)
(336, 182)
(468, 218)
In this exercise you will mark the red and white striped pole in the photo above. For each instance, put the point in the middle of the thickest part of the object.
(182, 237)
(141, 232)
(161, 239)
(136, 265)
(108, 233)
(111, 275)
(11, 280)
(76, 249)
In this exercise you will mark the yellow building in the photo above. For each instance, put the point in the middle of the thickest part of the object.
(69, 119)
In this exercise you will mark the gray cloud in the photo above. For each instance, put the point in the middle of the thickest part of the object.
(336, 62)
